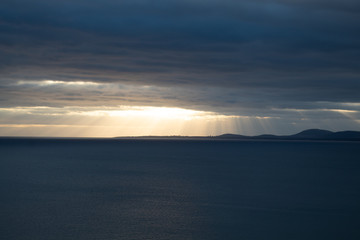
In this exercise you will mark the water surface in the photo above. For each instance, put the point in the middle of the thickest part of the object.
(179, 189)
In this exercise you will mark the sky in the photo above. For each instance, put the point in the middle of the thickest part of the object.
(90, 68)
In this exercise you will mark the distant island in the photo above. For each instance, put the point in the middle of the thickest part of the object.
(310, 134)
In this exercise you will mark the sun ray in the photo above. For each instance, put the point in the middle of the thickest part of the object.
(124, 121)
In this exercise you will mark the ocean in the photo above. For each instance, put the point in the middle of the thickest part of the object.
(109, 189)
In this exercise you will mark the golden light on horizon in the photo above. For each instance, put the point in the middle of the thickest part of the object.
(114, 121)
(106, 121)
(151, 112)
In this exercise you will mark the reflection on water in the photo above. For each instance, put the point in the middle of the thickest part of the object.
(123, 189)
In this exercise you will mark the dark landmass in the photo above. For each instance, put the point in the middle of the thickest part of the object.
(310, 134)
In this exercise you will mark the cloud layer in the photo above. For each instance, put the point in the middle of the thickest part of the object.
(252, 58)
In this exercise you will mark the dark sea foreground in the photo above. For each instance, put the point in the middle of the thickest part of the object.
(178, 189)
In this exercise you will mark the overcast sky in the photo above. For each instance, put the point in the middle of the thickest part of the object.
(293, 64)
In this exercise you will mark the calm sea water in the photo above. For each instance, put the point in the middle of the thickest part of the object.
(157, 189)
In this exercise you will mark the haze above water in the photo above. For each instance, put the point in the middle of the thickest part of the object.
(180, 189)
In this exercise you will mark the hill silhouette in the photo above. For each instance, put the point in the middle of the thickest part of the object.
(313, 133)
(309, 134)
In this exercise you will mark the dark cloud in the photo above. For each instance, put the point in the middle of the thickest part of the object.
(226, 56)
